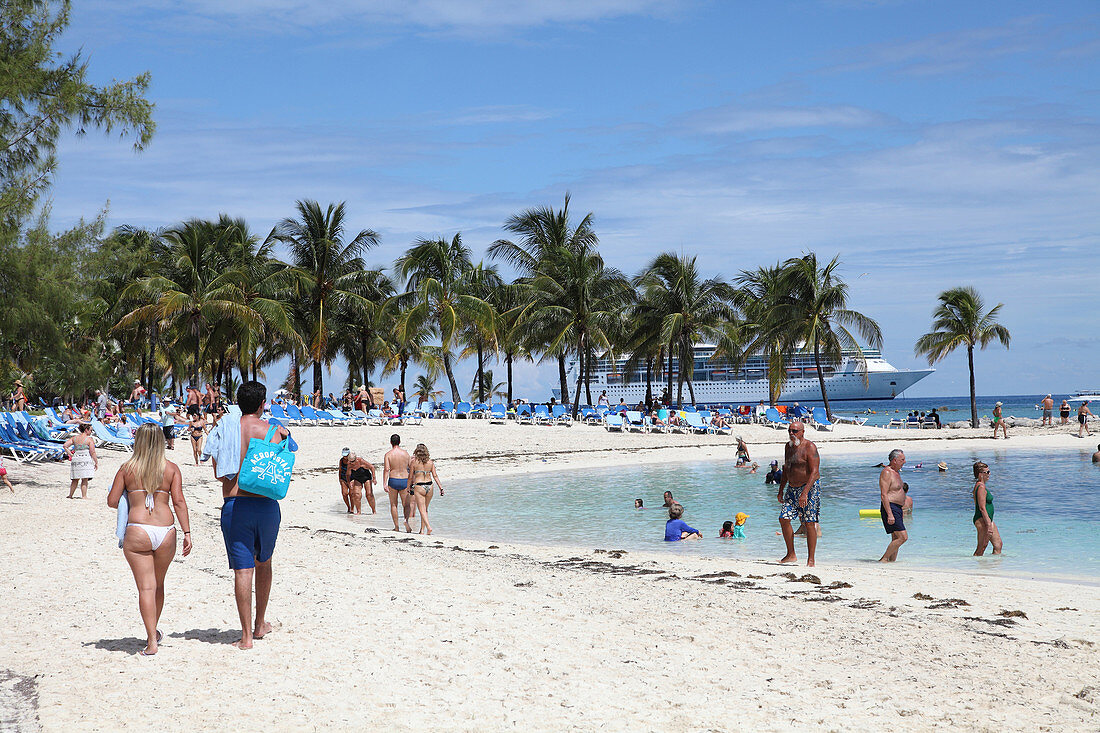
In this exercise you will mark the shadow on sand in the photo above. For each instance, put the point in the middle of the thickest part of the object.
(209, 636)
(131, 645)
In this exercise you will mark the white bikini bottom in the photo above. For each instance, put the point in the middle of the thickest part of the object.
(156, 534)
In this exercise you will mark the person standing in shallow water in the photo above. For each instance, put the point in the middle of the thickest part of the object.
(892, 504)
(800, 491)
(988, 534)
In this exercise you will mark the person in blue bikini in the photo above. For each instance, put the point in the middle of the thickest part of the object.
(396, 470)
(250, 523)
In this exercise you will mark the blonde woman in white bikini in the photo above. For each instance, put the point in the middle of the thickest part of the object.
(149, 481)
(422, 471)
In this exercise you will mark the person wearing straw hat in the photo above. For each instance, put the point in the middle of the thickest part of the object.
(999, 422)
(18, 397)
(942, 465)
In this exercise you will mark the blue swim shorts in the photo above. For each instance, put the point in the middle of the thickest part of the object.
(398, 483)
(250, 526)
(811, 512)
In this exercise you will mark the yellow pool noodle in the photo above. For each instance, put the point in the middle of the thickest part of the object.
(870, 514)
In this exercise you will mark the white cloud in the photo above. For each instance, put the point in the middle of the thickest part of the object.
(729, 119)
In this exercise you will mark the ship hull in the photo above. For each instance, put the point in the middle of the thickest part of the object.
(841, 386)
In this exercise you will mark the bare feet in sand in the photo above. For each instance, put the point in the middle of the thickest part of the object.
(240, 644)
(788, 560)
(262, 630)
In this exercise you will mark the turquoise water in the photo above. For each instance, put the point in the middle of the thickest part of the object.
(1047, 510)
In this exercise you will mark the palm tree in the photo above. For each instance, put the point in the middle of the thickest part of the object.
(541, 232)
(483, 385)
(197, 290)
(328, 270)
(688, 308)
(480, 335)
(961, 318)
(580, 301)
(814, 313)
(424, 387)
(438, 274)
(757, 295)
(509, 302)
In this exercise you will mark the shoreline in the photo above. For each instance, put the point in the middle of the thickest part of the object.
(495, 634)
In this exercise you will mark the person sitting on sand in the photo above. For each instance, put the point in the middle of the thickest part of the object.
(395, 479)
(983, 512)
(638, 504)
(150, 481)
(677, 529)
(422, 471)
(669, 501)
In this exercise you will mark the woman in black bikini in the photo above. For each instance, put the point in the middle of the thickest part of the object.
(196, 428)
(423, 474)
(360, 478)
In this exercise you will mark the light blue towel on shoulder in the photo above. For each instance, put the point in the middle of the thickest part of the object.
(123, 518)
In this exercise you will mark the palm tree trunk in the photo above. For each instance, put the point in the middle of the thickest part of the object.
(580, 375)
(363, 346)
(451, 377)
(255, 367)
(508, 363)
(480, 373)
(317, 377)
(649, 382)
(588, 377)
(691, 391)
(563, 380)
(404, 368)
(973, 393)
(669, 374)
(821, 381)
(195, 333)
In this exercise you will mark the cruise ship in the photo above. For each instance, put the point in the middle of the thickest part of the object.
(716, 381)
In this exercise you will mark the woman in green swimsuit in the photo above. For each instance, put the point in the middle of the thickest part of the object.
(983, 512)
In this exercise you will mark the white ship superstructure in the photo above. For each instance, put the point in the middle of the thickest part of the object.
(716, 381)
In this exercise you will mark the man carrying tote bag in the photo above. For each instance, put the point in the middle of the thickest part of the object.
(249, 521)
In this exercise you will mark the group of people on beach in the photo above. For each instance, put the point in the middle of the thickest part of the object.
(410, 481)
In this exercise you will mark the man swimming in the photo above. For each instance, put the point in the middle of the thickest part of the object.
(892, 504)
(799, 491)
(395, 480)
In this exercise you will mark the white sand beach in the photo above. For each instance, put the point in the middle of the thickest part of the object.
(382, 630)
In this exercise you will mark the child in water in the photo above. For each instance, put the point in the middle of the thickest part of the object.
(739, 527)
(727, 529)
(677, 529)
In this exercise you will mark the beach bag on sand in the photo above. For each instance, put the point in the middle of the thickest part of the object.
(266, 467)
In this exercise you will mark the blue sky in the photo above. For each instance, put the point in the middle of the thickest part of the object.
(929, 144)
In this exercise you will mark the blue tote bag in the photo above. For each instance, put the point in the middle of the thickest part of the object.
(266, 467)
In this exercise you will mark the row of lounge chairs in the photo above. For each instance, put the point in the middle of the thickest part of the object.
(305, 415)
(817, 417)
(913, 422)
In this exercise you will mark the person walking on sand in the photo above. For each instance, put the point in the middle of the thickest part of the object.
(83, 461)
(983, 512)
(149, 482)
(249, 522)
(18, 397)
(999, 422)
(360, 480)
(800, 491)
(1048, 412)
(196, 429)
(422, 471)
(396, 467)
(893, 498)
(1083, 415)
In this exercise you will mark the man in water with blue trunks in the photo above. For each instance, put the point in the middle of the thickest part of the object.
(799, 491)
(395, 480)
(892, 504)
